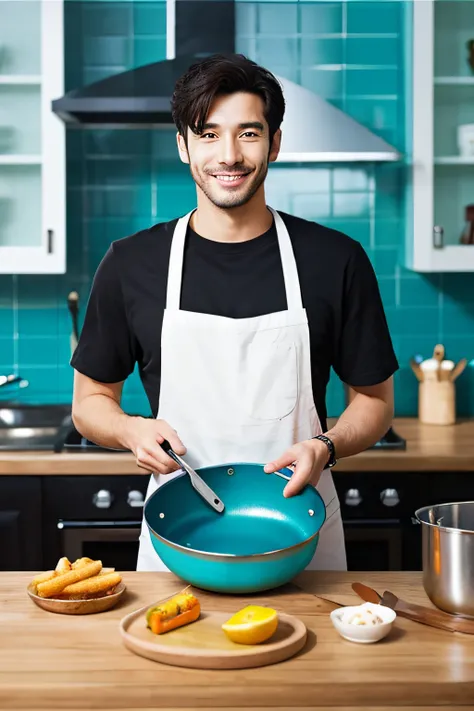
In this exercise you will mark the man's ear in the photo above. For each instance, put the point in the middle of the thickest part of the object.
(275, 147)
(182, 150)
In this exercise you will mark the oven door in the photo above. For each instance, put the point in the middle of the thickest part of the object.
(115, 543)
(374, 544)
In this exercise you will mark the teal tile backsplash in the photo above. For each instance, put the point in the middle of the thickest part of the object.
(352, 53)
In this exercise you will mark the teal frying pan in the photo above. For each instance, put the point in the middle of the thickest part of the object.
(260, 540)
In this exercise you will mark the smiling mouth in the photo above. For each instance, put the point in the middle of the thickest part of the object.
(230, 178)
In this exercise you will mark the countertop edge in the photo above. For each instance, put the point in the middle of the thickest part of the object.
(430, 448)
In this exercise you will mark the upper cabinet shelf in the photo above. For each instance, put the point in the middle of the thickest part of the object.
(442, 95)
(32, 138)
(20, 79)
(454, 81)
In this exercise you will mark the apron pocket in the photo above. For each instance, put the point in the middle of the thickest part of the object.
(271, 383)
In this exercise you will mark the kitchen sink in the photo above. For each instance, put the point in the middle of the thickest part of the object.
(28, 426)
(26, 415)
(25, 427)
(22, 438)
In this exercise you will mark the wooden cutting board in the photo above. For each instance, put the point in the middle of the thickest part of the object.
(204, 645)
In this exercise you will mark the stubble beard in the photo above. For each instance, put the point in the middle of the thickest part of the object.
(232, 200)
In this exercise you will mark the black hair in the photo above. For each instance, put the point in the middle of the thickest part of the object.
(219, 75)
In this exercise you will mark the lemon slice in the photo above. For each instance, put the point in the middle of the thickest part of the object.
(251, 625)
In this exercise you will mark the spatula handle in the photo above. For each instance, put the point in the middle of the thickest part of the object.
(165, 445)
(199, 484)
(428, 616)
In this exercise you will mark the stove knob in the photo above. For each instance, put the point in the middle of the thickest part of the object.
(353, 497)
(390, 497)
(102, 499)
(135, 499)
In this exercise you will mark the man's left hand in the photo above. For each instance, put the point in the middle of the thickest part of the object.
(310, 458)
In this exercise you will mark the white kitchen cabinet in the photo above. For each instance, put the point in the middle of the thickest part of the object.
(32, 138)
(442, 99)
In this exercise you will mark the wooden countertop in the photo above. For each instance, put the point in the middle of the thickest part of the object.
(51, 661)
(429, 448)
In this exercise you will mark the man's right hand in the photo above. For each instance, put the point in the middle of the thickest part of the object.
(144, 438)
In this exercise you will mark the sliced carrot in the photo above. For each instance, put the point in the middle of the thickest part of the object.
(159, 625)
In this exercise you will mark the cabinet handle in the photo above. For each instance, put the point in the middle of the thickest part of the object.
(438, 237)
(50, 234)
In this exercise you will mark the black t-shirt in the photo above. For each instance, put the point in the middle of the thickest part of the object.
(347, 324)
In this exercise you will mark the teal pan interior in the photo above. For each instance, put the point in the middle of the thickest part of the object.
(261, 540)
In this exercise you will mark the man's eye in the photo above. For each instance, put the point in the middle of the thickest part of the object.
(208, 135)
(250, 134)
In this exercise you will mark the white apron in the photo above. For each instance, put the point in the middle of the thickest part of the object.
(240, 390)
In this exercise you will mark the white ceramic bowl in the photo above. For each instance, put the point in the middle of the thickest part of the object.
(364, 634)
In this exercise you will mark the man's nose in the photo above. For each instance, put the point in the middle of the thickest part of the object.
(230, 152)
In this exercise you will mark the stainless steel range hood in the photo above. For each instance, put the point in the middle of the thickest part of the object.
(313, 129)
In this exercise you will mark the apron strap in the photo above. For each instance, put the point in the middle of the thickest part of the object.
(288, 262)
(175, 267)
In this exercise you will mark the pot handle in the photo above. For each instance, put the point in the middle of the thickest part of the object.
(415, 521)
(284, 476)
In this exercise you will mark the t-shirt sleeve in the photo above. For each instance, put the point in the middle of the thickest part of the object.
(104, 351)
(364, 353)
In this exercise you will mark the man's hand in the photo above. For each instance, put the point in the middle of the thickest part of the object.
(144, 438)
(310, 457)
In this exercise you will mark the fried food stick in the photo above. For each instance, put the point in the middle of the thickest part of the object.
(59, 582)
(80, 562)
(63, 566)
(42, 578)
(91, 586)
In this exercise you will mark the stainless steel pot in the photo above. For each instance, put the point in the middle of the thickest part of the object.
(448, 555)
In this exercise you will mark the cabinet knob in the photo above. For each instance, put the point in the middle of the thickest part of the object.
(102, 499)
(353, 497)
(135, 499)
(390, 497)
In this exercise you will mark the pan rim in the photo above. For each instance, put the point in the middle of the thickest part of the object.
(235, 557)
(440, 527)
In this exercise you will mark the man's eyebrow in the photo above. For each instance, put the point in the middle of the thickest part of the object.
(248, 124)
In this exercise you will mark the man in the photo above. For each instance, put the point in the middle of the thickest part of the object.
(235, 314)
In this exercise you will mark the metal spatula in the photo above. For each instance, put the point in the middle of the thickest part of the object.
(199, 484)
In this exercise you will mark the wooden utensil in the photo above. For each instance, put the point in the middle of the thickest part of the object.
(416, 613)
(416, 369)
(438, 355)
(458, 369)
(204, 645)
(445, 370)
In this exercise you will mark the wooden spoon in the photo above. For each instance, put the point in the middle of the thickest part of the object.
(438, 355)
(458, 368)
(416, 369)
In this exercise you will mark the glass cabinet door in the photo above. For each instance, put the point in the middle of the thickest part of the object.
(443, 136)
(31, 234)
(454, 119)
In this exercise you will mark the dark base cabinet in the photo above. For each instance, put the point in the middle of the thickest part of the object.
(20, 523)
(46, 517)
(377, 513)
(98, 517)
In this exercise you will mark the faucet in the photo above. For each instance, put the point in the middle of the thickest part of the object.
(13, 379)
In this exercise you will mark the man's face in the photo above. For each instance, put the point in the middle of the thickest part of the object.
(229, 160)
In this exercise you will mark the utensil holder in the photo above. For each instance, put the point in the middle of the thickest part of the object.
(437, 402)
